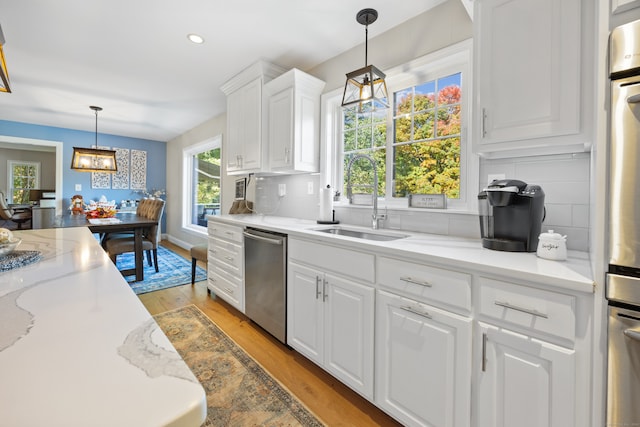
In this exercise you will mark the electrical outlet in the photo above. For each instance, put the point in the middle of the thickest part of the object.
(494, 176)
(282, 190)
(78, 187)
(310, 187)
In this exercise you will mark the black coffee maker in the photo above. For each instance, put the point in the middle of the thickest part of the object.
(511, 215)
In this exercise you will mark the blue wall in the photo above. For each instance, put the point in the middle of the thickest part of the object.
(156, 158)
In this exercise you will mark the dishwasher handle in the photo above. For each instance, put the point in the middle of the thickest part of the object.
(262, 239)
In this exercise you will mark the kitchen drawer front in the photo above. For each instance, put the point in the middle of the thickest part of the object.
(426, 283)
(347, 262)
(226, 287)
(227, 255)
(225, 231)
(532, 310)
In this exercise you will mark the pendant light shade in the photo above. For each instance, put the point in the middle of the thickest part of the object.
(4, 74)
(366, 85)
(94, 159)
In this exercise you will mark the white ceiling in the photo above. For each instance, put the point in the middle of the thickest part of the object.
(132, 57)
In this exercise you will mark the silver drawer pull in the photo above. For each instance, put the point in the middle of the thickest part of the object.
(230, 233)
(414, 311)
(530, 311)
(409, 279)
(229, 258)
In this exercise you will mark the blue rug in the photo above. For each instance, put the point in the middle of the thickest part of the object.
(174, 271)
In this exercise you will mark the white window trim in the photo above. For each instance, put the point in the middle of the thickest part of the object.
(10, 165)
(187, 184)
(457, 57)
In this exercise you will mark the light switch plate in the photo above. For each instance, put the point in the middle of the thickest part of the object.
(78, 187)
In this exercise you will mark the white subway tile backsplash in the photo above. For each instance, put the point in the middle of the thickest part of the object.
(564, 178)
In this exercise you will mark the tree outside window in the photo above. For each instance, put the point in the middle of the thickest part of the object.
(201, 185)
(23, 176)
(425, 141)
(427, 138)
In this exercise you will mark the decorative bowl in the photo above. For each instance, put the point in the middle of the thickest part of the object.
(9, 246)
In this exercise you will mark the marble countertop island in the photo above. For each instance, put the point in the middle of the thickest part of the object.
(78, 348)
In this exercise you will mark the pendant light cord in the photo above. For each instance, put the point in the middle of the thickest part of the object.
(366, 44)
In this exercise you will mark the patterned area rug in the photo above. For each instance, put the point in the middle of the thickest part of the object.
(174, 271)
(239, 391)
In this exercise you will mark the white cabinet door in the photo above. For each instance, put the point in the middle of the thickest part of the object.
(281, 129)
(294, 122)
(349, 320)
(528, 73)
(244, 123)
(305, 311)
(423, 363)
(524, 382)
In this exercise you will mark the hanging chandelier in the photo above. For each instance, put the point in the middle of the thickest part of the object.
(94, 159)
(366, 85)
(4, 74)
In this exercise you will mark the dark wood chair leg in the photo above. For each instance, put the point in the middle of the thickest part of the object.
(155, 259)
(193, 270)
(149, 260)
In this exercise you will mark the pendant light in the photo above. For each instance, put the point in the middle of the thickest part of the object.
(94, 159)
(366, 85)
(4, 74)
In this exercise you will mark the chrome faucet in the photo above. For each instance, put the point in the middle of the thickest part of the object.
(375, 216)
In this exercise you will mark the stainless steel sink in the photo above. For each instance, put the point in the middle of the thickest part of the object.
(361, 234)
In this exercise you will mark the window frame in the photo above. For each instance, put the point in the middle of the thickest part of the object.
(452, 59)
(187, 180)
(10, 166)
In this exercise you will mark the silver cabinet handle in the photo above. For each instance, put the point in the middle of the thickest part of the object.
(634, 334)
(633, 99)
(318, 279)
(484, 352)
(325, 295)
(483, 123)
(414, 311)
(229, 258)
(530, 311)
(409, 279)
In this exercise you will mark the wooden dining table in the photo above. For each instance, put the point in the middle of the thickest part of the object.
(122, 222)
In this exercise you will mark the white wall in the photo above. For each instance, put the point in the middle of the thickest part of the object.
(203, 132)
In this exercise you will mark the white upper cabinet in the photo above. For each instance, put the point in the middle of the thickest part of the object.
(246, 148)
(530, 74)
(293, 101)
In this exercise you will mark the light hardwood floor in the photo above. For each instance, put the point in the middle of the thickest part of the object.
(327, 397)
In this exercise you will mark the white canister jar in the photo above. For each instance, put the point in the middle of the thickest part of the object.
(552, 246)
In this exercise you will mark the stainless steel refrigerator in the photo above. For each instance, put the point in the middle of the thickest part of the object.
(623, 278)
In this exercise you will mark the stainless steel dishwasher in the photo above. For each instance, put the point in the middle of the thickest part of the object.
(265, 280)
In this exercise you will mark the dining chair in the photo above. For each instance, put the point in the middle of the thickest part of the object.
(116, 245)
(18, 216)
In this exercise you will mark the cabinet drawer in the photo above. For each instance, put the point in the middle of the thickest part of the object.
(225, 231)
(226, 287)
(347, 262)
(423, 282)
(536, 310)
(227, 255)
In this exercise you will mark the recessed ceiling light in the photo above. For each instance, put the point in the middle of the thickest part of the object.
(195, 38)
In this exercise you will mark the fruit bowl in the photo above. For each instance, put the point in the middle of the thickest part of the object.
(101, 212)
(8, 246)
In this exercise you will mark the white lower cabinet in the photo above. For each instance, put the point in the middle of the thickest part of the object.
(225, 266)
(330, 321)
(524, 381)
(423, 362)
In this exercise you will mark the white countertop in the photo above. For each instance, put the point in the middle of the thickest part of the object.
(78, 348)
(452, 252)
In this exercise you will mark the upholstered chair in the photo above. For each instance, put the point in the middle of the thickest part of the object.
(8, 214)
(116, 245)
